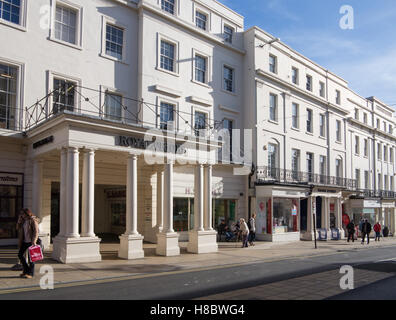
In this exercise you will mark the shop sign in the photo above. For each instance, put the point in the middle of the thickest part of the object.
(372, 204)
(294, 211)
(11, 179)
(158, 146)
(388, 204)
(43, 142)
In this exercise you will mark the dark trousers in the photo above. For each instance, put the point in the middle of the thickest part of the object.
(28, 268)
(364, 236)
(245, 240)
(252, 236)
(351, 236)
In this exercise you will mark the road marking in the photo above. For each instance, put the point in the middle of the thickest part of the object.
(386, 260)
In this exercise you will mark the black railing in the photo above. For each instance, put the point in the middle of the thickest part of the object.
(270, 174)
(383, 194)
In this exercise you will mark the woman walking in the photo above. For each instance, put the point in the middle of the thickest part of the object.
(28, 230)
(245, 232)
(252, 231)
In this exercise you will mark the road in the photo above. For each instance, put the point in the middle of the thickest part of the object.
(287, 279)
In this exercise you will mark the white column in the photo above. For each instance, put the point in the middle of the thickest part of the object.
(200, 240)
(72, 193)
(208, 198)
(131, 196)
(199, 198)
(131, 242)
(70, 247)
(338, 211)
(37, 191)
(160, 200)
(88, 194)
(63, 196)
(168, 239)
(168, 198)
(393, 222)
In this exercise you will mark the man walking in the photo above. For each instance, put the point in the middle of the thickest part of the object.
(377, 230)
(366, 229)
(252, 229)
(351, 231)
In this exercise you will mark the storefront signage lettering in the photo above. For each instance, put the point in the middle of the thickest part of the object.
(327, 191)
(11, 179)
(43, 142)
(159, 146)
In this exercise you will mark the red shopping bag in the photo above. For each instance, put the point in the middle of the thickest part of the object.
(35, 253)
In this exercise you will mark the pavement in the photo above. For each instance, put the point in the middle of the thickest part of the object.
(230, 254)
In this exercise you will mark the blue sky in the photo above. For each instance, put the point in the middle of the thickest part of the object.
(364, 56)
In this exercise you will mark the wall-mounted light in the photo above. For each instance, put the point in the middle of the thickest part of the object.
(268, 42)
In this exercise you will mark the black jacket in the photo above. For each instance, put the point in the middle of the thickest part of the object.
(351, 227)
(366, 227)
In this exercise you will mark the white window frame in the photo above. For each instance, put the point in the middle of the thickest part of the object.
(104, 89)
(231, 25)
(276, 108)
(19, 99)
(297, 76)
(79, 23)
(208, 113)
(339, 132)
(105, 21)
(176, 119)
(51, 75)
(275, 61)
(22, 18)
(366, 180)
(233, 92)
(312, 121)
(162, 37)
(366, 144)
(233, 33)
(357, 145)
(297, 116)
(322, 116)
(306, 83)
(208, 76)
(338, 98)
(176, 8)
(322, 89)
(203, 12)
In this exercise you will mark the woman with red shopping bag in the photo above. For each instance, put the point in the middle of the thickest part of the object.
(29, 231)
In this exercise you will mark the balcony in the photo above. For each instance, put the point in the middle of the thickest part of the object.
(266, 175)
(381, 194)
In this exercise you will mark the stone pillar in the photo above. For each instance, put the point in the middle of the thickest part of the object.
(386, 220)
(338, 212)
(392, 227)
(208, 199)
(72, 193)
(70, 247)
(311, 210)
(202, 240)
(131, 242)
(168, 239)
(88, 194)
(37, 202)
(63, 196)
(160, 200)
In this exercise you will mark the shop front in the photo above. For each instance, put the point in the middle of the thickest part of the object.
(11, 203)
(278, 213)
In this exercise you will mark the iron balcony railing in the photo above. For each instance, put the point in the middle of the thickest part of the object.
(271, 174)
(383, 194)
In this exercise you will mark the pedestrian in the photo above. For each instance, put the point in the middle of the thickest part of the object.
(351, 231)
(245, 232)
(252, 229)
(29, 230)
(377, 230)
(366, 229)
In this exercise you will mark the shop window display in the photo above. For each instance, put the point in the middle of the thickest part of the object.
(285, 213)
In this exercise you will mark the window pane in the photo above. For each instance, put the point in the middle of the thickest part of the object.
(113, 106)
(168, 6)
(167, 56)
(114, 41)
(10, 10)
(65, 24)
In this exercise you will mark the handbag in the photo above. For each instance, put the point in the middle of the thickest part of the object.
(35, 253)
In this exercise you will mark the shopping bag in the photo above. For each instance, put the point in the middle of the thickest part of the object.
(35, 253)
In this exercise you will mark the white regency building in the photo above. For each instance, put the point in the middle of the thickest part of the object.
(110, 112)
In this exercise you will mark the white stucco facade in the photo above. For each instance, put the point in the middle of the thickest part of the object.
(84, 83)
